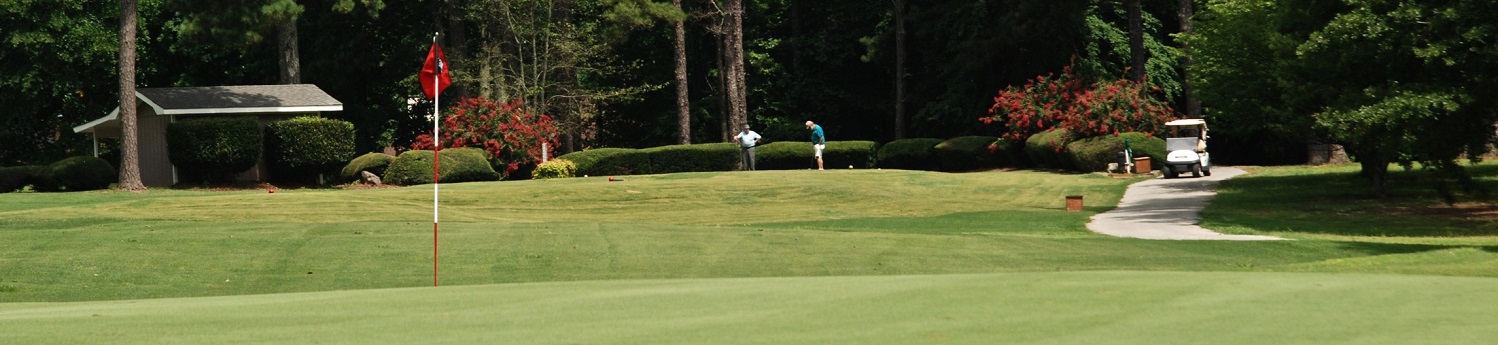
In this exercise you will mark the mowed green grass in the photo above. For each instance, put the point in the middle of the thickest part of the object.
(1002, 308)
(573, 258)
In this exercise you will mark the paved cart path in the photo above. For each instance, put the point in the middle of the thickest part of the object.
(1168, 209)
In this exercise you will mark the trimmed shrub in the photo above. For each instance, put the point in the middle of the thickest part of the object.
(1010, 154)
(610, 161)
(795, 155)
(587, 160)
(855, 153)
(693, 158)
(82, 173)
(556, 168)
(786, 155)
(15, 178)
(301, 148)
(1145, 145)
(910, 154)
(1094, 154)
(471, 164)
(967, 153)
(1048, 149)
(458, 165)
(373, 162)
(213, 149)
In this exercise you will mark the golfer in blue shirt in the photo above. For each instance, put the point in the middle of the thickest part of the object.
(818, 141)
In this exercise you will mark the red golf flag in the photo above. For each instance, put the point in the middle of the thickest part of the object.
(434, 77)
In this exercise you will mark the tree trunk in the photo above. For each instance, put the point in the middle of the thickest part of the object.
(683, 105)
(291, 65)
(1136, 42)
(129, 135)
(738, 110)
(1193, 105)
(797, 52)
(1377, 172)
(723, 94)
(899, 69)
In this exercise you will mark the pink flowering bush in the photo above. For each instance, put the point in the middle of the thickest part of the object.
(509, 133)
(1086, 109)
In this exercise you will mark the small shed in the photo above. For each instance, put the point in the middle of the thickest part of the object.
(157, 107)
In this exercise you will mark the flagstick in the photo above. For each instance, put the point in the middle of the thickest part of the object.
(436, 159)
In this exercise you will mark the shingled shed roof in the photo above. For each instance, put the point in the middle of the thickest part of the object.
(237, 99)
(210, 100)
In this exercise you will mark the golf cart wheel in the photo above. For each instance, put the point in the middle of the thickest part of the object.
(1206, 171)
(1196, 170)
(1167, 172)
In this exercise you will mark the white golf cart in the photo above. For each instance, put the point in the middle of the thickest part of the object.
(1186, 148)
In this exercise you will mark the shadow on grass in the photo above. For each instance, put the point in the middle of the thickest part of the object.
(1008, 221)
(1371, 248)
(1339, 202)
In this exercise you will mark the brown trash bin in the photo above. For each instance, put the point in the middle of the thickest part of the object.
(1142, 165)
(1073, 203)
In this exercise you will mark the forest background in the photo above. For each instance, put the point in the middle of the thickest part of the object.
(1272, 76)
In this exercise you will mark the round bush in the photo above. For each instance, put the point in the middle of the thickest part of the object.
(610, 161)
(587, 160)
(463, 164)
(786, 155)
(693, 158)
(556, 168)
(82, 173)
(1145, 145)
(373, 162)
(213, 149)
(1048, 149)
(301, 148)
(15, 178)
(1094, 154)
(855, 153)
(910, 154)
(967, 153)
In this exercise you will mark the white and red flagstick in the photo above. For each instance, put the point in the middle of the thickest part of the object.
(436, 66)
(436, 169)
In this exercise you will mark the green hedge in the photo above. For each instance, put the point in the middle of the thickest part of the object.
(1094, 154)
(968, 153)
(1147, 146)
(213, 149)
(462, 164)
(555, 168)
(1048, 149)
(81, 173)
(301, 148)
(796, 155)
(852, 153)
(610, 161)
(785, 155)
(718, 157)
(692, 158)
(910, 154)
(15, 178)
(373, 162)
(587, 160)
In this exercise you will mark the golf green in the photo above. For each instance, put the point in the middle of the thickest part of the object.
(1118, 307)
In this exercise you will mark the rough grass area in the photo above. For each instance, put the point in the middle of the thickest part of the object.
(1332, 202)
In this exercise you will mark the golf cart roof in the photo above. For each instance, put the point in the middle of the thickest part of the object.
(1187, 122)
